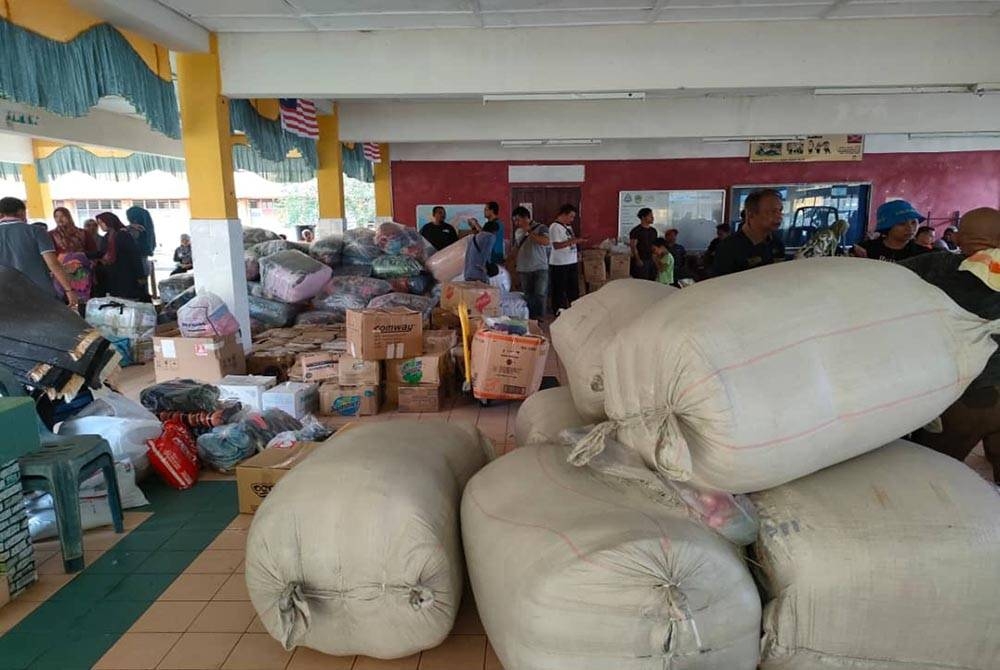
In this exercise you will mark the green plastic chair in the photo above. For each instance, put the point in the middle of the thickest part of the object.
(58, 468)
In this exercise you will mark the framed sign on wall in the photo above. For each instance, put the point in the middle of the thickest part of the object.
(693, 213)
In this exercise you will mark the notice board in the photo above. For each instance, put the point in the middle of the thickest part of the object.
(694, 213)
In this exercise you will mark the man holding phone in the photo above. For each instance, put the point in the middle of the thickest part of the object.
(563, 259)
(531, 242)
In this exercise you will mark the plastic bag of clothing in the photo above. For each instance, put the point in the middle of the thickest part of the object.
(501, 280)
(357, 549)
(251, 263)
(360, 247)
(179, 395)
(739, 403)
(124, 318)
(224, 447)
(418, 285)
(450, 261)
(886, 562)
(574, 569)
(328, 250)
(514, 305)
(543, 417)
(292, 276)
(206, 315)
(320, 318)
(396, 239)
(274, 246)
(394, 267)
(254, 288)
(336, 305)
(126, 437)
(174, 285)
(274, 313)
(168, 312)
(364, 288)
(253, 236)
(418, 303)
(353, 271)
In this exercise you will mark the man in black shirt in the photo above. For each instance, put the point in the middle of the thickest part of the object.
(679, 253)
(437, 232)
(896, 222)
(756, 243)
(721, 232)
(641, 240)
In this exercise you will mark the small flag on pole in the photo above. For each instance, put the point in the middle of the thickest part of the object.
(372, 152)
(298, 116)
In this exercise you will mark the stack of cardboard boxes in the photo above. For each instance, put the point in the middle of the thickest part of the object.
(600, 267)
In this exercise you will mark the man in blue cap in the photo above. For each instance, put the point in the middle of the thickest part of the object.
(896, 223)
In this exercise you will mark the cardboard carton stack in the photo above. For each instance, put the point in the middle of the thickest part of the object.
(421, 383)
(206, 359)
(256, 476)
(595, 269)
(306, 353)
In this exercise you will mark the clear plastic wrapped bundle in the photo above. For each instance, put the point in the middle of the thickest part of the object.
(395, 239)
(273, 313)
(418, 284)
(168, 313)
(328, 250)
(319, 318)
(514, 305)
(292, 276)
(251, 261)
(206, 315)
(360, 247)
(337, 304)
(353, 271)
(394, 267)
(274, 246)
(253, 236)
(224, 447)
(418, 303)
(179, 395)
(174, 285)
(364, 288)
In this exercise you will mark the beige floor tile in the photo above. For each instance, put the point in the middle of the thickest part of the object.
(366, 663)
(458, 652)
(134, 519)
(224, 617)
(241, 568)
(12, 613)
(235, 588)
(257, 652)
(308, 659)
(51, 545)
(241, 522)
(194, 587)
(229, 540)
(46, 585)
(492, 662)
(256, 626)
(137, 651)
(168, 617)
(216, 561)
(200, 651)
(49, 563)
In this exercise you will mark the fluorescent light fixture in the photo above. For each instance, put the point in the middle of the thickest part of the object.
(893, 90)
(516, 144)
(756, 138)
(549, 97)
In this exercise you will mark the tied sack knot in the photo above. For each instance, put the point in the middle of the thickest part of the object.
(293, 609)
(421, 598)
(591, 444)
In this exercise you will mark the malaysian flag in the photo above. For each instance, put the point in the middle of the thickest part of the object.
(372, 151)
(298, 116)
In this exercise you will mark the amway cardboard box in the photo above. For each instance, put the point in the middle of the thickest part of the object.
(621, 265)
(247, 389)
(205, 359)
(316, 366)
(480, 299)
(336, 400)
(415, 399)
(294, 398)
(378, 335)
(507, 367)
(428, 369)
(256, 476)
(356, 372)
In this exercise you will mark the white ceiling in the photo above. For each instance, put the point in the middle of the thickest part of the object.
(333, 15)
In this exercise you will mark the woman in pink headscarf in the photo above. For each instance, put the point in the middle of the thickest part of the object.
(76, 249)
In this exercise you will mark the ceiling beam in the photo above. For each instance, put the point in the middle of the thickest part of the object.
(829, 11)
(656, 11)
(477, 9)
(151, 20)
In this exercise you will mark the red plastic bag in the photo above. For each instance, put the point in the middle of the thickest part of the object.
(174, 456)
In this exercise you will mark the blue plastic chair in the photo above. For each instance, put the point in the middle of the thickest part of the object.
(58, 468)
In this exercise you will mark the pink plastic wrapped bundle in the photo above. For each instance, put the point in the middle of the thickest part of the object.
(292, 276)
(450, 261)
(206, 315)
(328, 250)
(395, 239)
(365, 288)
(360, 247)
(418, 303)
(394, 267)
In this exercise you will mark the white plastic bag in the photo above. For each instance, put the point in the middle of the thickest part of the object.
(206, 315)
(126, 437)
(748, 381)
(501, 280)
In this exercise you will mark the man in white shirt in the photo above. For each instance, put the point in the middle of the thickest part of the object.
(563, 259)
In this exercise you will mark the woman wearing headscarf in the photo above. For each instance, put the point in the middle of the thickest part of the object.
(123, 265)
(141, 227)
(972, 279)
(76, 250)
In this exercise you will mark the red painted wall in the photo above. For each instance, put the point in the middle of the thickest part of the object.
(939, 182)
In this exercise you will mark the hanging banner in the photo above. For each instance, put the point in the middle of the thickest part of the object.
(810, 149)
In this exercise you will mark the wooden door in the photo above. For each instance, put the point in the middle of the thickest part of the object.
(544, 202)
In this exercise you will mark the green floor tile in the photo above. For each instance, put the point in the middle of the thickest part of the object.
(141, 588)
(167, 562)
(111, 616)
(54, 615)
(18, 650)
(87, 587)
(119, 561)
(191, 540)
(143, 540)
(78, 651)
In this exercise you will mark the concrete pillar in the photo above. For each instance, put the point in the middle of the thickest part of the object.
(383, 186)
(37, 194)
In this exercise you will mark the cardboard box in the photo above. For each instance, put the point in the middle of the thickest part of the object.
(377, 335)
(205, 359)
(480, 299)
(507, 367)
(439, 340)
(247, 389)
(428, 369)
(293, 398)
(316, 366)
(336, 400)
(256, 476)
(621, 266)
(416, 399)
(271, 364)
(594, 270)
(356, 372)
(444, 319)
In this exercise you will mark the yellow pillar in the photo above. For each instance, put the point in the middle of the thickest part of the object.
(383, 184)
(330, 173)
(208, 151)
(38, 197)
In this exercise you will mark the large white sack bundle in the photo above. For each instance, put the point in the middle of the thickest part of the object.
(582, 333)
(748, 381)
(890, 561)
(357, 550)
(572, 569)
(544, 415)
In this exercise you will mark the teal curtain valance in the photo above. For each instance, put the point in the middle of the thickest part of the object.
(267, 137)
(287, 171)
(68, 78)
(77, 159)
(356, 166)
(10, 171)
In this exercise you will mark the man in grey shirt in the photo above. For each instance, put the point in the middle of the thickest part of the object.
(532, 241)
(29, 250)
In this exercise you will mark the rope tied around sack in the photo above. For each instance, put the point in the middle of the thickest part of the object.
(293, 609)
(680, 611)
(593, 443)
